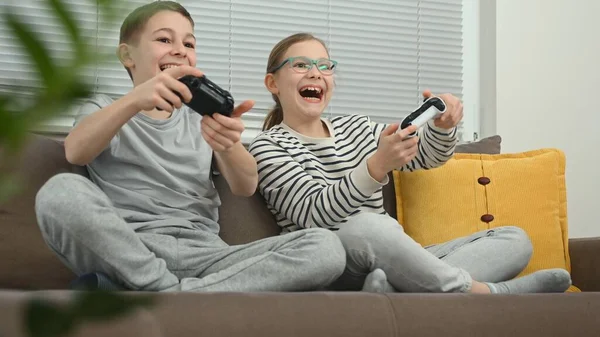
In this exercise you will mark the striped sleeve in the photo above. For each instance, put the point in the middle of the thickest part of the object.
(436, 146)
(294, 193)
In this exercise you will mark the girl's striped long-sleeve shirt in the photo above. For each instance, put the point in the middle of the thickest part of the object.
(320, 182)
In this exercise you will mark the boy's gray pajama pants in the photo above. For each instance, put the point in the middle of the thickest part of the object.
(80, 224)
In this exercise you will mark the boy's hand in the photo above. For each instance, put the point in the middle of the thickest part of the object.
(394, 151)
(222, 132)
(158, 92)
(453, 114)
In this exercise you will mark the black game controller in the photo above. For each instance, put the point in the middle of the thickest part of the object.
(207, 97)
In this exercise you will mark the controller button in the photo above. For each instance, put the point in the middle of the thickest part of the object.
(483, 180)
(487, 218)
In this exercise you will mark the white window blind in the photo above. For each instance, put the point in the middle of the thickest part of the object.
(388, 51)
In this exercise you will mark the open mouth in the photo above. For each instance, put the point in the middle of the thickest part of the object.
(167, 66)
(313, 94)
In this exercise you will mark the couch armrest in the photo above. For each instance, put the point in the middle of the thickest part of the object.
(585, 263)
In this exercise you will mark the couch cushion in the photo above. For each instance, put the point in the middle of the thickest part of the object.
(243, 219)
(473, 192)
(522, 315)
(27, 263)
(340, 314)
(488, 145)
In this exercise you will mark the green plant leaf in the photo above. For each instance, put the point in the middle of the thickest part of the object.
(43, 319)
(70, 25)
(33, 46)
(9, 125)
(107, 9)
(9, 186)
(57, 100)
(13, 134)
(60, 87)
(103, 305)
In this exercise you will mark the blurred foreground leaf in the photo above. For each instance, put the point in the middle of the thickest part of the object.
(44, 319)
(59, 87)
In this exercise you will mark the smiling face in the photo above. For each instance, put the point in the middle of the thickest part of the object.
(303, 96)
(167, 40)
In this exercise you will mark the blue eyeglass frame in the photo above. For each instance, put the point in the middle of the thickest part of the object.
(311, 63)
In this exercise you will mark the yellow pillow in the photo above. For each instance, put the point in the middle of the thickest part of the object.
(461, 197)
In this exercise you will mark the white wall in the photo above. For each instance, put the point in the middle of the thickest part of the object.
(547, 81)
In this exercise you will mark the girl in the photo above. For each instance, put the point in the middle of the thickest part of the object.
(329, 173)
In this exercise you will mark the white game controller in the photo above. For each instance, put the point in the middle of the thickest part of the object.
(431, 108)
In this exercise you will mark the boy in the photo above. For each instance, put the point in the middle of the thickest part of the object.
(147, 220)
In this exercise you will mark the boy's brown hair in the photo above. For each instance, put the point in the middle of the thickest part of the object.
(136, 21)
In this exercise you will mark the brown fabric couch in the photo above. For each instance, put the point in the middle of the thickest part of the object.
(28, 269)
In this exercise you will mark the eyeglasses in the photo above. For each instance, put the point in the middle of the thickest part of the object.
(302, 64)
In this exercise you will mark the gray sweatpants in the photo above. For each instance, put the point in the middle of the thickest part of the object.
(378, 241)
(79, 223)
